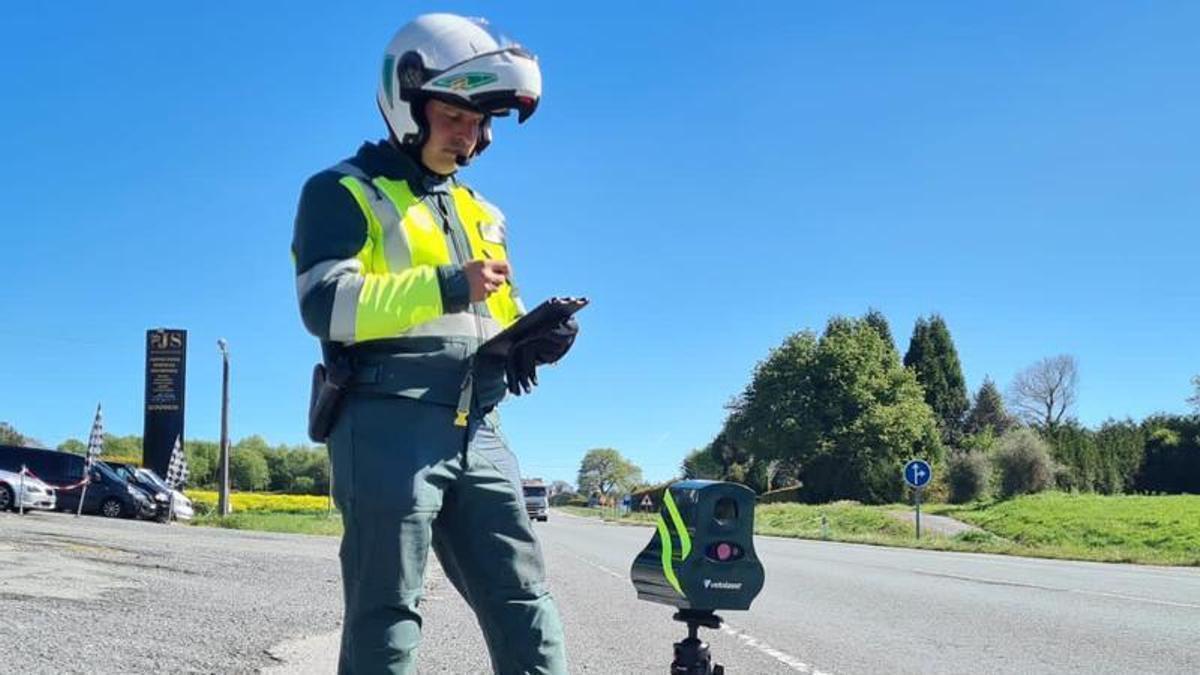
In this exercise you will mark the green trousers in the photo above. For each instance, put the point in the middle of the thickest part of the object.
(406, 479)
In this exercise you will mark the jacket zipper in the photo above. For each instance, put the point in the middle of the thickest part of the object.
(461, 259)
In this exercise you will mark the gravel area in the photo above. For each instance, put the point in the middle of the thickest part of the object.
(93, 595)
(931, 524)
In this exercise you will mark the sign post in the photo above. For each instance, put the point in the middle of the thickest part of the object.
(917, 473)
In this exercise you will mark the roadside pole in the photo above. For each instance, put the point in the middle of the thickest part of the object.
(917, 496)
(223, 470)
(917, 474)
(87, 478)
(329, 512)
(21, 495)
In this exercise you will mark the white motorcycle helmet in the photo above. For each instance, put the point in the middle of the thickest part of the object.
(459, 60)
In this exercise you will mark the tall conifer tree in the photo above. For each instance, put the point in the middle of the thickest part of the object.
(931, 354)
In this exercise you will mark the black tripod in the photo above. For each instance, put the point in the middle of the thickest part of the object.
(691, 654)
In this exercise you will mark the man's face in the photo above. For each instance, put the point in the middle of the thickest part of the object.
(453, 132)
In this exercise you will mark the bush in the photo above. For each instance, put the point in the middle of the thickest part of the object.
(260, 501)
(567, 498)
(969, 476)
(1024, 463)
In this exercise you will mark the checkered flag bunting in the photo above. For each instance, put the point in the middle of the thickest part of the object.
(177, 470)
(95, 441)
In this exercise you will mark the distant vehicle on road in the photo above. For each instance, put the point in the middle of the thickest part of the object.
(36, 494)
(157, 487)
(107, 494)
(537, 504)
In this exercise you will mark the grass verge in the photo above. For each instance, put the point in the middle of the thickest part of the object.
(272, 521)
(1161, 530)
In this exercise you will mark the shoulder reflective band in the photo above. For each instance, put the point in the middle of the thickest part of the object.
(664, 534)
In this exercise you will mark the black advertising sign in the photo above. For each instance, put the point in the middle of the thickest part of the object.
(166, 378)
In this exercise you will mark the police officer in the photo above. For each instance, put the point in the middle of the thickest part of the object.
(402, 271)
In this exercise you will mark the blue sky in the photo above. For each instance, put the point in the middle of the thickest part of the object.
(714, 176)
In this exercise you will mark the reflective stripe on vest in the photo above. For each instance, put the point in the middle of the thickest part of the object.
(394, 291)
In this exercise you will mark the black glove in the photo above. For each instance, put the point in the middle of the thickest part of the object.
(538, 350)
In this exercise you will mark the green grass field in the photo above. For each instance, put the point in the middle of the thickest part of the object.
(1123, 528)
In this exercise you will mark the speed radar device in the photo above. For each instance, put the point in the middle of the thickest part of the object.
(701, 559)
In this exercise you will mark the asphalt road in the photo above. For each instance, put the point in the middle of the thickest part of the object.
(89, 595)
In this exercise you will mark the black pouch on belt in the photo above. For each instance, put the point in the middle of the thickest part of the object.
(328, 389)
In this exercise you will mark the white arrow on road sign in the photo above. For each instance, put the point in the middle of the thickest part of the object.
(917, 473)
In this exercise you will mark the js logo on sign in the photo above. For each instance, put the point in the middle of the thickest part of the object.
(164, 340)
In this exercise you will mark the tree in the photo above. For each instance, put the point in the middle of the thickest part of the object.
(700, 463)
(1042, 394)
(1074, 448)
(604, 470)
(932, 356)
(73, 446)
(561, 487)
(248, 469)
(1122, 449)
(126, 448)
(988, 411)
(1194, 399)
(875, 319)
(10, 436)
(839, 407)
(203, 458)
(1172, 455)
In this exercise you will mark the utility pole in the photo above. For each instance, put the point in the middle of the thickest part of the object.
(223, 477)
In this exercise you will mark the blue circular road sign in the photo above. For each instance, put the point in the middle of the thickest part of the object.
(917, 473)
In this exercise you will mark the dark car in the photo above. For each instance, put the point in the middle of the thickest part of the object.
(164, 497)
(107, 493)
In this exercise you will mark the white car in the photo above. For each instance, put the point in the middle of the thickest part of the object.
(36, 494)
(181, 505)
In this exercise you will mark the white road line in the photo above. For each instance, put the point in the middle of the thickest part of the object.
(1136, 598)
(747, 640)
(602, 568)
(782, 657)
(1041, 587)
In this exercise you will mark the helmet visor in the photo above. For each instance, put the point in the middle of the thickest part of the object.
(496, 79)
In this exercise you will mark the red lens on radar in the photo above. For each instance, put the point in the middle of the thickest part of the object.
(723, 551)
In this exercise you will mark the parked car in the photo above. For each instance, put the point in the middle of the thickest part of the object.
(107, 493)
(157, 487)
(27, 492)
